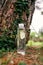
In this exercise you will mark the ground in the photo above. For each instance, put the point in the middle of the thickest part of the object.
(32, 57)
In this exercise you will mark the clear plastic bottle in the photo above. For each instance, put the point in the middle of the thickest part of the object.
(21, 39)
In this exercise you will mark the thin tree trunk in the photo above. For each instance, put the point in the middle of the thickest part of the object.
(32, 7)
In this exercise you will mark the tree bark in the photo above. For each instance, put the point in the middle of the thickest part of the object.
(6, 13)
(28, 23)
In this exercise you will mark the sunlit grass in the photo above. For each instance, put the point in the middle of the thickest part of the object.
(31, 43)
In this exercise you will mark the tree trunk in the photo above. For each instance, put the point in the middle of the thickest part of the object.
(28, 23)
(6, 15)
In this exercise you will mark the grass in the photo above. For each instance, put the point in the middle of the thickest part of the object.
(31, 43)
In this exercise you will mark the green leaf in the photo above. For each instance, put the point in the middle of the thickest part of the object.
(22, 63)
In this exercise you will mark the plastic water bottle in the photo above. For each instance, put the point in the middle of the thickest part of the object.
(21, 39)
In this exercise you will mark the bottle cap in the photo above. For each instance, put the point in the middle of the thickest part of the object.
(21, 25)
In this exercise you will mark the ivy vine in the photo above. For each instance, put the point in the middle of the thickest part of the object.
(9, 36)
(21, 6)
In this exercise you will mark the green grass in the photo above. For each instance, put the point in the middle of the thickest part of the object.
(31, 43)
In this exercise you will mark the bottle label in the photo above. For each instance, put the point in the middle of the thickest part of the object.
(22, 34)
